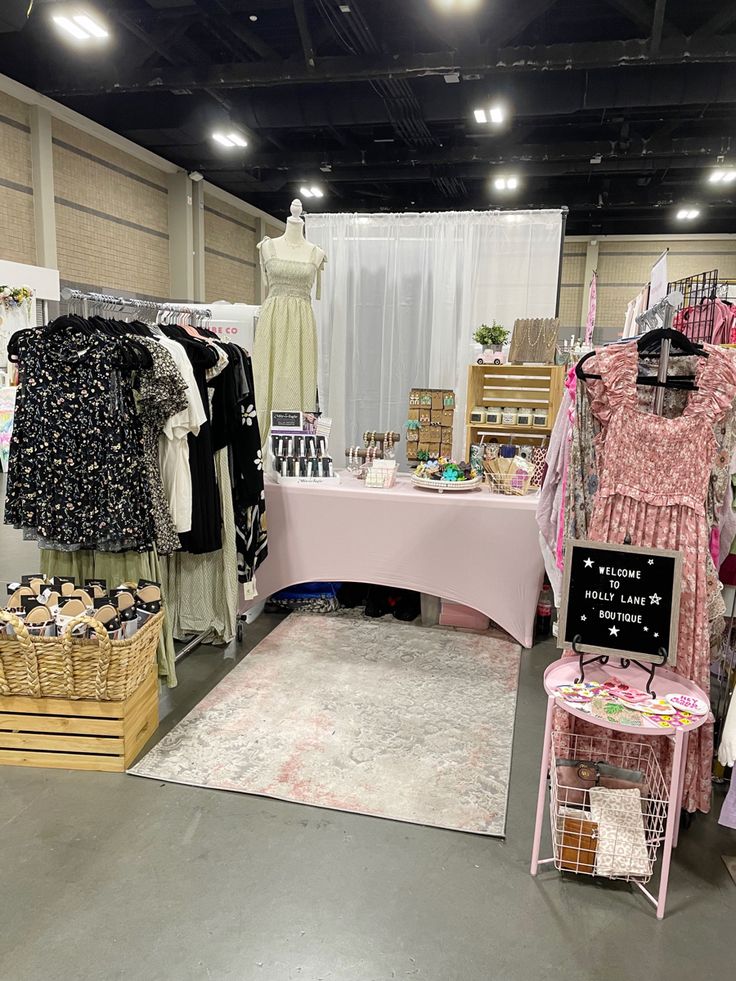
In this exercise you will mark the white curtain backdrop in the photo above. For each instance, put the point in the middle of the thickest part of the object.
(402, 295)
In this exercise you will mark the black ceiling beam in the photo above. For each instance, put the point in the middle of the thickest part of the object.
(479, 61)
(718, 22)
(221, 20)
(305, 35)
(657, 27)
(699, 150)
(519, 17)
(639, 13)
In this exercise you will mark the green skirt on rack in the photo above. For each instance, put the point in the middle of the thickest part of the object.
(116, 568)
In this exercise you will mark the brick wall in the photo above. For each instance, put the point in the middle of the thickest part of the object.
(624, 267)
(230, 252)
(111, 216)
(16, 193)
(572, 285)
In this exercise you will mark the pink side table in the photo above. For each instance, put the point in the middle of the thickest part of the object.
(565, 671)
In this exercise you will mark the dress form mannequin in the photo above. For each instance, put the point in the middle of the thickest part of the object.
(285, 350)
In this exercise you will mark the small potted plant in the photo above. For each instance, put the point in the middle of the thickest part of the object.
(492, 340)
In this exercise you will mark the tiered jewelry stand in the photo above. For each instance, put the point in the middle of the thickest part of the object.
(375, 446)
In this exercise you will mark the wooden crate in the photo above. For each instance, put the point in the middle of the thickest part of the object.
(78, 734)
(518, 386)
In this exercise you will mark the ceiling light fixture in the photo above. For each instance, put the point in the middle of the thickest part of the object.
(305, 192)
(494, 114)
(452, 6)
(722, 176)
(506, 183)
(231, 139)
(311, 191)
(687, 214)
(82, 27)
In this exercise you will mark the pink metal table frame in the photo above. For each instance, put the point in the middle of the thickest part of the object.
(564, 672)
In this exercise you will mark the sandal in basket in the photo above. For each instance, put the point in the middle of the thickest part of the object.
(148, 601)
(40, 622)
(69, 609)
(109, 617)
(128, 613)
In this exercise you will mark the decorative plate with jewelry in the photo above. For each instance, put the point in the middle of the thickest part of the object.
(442, 474)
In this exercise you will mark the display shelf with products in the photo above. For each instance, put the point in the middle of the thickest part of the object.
(503, 392)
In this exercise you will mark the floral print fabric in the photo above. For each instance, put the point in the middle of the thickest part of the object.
(653, 479)
(77, 471)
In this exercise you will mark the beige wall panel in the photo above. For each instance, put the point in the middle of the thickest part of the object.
(18, 242)
(230, 252)
(112, 216)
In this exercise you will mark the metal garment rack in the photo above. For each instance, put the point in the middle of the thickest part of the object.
(120, 303)
(111, 302)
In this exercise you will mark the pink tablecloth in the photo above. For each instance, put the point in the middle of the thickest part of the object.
(475, 548)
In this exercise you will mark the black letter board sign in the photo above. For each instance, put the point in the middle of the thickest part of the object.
(620, 600)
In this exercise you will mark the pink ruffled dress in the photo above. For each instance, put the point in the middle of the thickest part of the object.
(654, 474)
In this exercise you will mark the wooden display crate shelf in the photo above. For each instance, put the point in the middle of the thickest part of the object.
(528, 386)
(78, 734)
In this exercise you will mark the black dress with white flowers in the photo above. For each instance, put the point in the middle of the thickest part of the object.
(76, 474)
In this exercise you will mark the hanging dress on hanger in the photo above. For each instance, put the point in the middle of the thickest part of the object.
(285, 351)
(653, 481)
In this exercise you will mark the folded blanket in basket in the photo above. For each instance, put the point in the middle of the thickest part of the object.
(622, 843)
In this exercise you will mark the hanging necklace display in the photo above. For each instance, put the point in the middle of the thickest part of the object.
(534, 341)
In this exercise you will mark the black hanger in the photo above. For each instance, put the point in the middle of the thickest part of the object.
(649, 341)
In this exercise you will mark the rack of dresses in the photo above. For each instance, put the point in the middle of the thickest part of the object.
(135, 454)
(620, 472)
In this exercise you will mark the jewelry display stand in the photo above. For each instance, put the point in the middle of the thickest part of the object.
(376, 446)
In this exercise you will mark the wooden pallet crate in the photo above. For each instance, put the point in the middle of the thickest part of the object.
(78, 734)
(520, 386)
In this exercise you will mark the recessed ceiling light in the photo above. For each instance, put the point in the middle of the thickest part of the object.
(305, 192)
(500, 183)
(480, 116)
(317, 192)
(512, 183)
(231, 139)
(716, 176)
(506, 183)
(82, 27)
(729, 176)
(253, 18)
(90, 26)
(687, 214)
(344, 8)
(496, 114)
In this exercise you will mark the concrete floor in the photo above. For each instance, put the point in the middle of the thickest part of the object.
(108, 877)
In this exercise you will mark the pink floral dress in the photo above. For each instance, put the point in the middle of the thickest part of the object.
(654, 475)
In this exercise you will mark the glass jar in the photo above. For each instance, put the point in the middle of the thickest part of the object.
(524, 417)
(493, 416)
(477, 415)
(539, 418)
(509, 416)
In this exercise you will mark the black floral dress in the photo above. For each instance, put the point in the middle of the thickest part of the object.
(161, 394)
(77, 470)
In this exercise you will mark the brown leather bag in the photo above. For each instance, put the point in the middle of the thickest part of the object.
(576, 777)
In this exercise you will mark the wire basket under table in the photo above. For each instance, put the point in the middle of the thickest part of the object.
(615, 836)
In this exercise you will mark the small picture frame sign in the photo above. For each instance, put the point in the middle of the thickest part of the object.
(620, 600)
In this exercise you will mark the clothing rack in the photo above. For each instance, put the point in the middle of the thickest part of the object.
(120, 302)
(109, 301)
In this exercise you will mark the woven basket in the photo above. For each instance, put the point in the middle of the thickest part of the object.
(72, 667)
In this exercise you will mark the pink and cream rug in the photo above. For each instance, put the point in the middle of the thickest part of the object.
(374, 717)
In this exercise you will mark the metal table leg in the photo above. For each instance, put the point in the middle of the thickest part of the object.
(541, 796)
(673, 819)
(681, 786)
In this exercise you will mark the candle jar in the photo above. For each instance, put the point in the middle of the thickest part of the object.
(509, 416)
(477, 415)
(493, 416)
(539, 418)
(524, 417)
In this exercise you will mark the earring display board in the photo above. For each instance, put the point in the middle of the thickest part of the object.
(429, 429)
(534, 341)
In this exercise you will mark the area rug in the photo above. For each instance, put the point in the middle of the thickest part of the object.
(373, 717)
